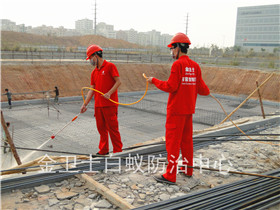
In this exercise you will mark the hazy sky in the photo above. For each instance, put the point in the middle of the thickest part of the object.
(210, 21)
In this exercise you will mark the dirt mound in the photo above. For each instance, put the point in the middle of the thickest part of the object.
(71, 78)
(12, 39)
(105, 42)
(232, 81)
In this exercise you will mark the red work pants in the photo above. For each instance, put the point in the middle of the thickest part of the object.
(107, 122)
(179, 131)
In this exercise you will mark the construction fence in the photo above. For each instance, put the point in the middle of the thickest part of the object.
(132, 57)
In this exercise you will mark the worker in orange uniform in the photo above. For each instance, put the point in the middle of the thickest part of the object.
(104, 78)
(184, 83)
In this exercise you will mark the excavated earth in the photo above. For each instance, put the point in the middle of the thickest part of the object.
(137, 186)
(71, 78)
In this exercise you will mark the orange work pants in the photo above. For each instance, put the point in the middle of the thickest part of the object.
(179, 131)
(107, 122)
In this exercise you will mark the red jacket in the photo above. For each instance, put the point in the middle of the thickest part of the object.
(103, 80)
(183, 85)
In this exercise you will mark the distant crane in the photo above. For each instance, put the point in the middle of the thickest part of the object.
(187, 22)
(95, 18)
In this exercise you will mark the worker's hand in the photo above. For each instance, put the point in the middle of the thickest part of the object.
(149, 79)
(107, 95)
(83, 108)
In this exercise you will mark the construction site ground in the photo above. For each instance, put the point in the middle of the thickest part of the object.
(33, 124)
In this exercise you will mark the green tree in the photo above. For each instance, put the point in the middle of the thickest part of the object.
(237, 48)
(276, 50)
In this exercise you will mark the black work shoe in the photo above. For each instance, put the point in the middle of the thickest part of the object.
(102, 154)
(160, 178)
(99, 155)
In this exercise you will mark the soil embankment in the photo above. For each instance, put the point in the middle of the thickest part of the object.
(71, 78)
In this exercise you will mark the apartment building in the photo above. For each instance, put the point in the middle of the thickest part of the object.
(84, 26)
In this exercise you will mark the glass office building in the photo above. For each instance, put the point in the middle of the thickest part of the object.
(258, 27)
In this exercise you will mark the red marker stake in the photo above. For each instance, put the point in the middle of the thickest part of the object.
(53, 136)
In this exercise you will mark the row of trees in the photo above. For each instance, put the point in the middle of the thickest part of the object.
(213, 51)
(235, 51)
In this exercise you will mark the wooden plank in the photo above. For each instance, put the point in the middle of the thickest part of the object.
(272, 74)
(19, 169)
(260, 98)
(10, 141)
(106, 192)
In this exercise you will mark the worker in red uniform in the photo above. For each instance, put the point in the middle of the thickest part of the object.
(183, 85)
(104, 78)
